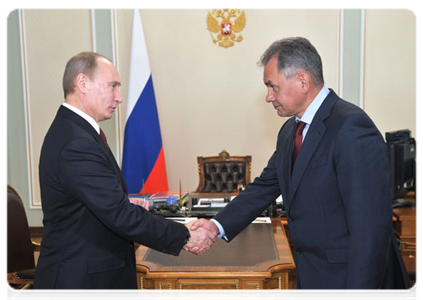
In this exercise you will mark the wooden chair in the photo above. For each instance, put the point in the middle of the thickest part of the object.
(223, 173)
(20, 247)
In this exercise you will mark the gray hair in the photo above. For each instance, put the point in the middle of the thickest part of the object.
(84, 62)
(295, 54)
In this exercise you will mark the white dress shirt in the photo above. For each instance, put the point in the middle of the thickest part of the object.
(87, 117)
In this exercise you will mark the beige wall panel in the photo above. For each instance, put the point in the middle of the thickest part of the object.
(123, 21)
(211, 98)
(390, 80)
(52, 37)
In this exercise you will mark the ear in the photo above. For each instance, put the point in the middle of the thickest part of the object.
(304, 81)
(81, 81)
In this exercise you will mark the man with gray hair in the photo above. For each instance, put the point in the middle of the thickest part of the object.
(331, 168)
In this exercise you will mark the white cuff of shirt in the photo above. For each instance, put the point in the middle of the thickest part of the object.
(221, 230)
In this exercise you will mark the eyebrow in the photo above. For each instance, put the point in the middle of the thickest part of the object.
(269, 82)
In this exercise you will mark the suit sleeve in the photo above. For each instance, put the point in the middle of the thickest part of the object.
(88, 177)
(363, 178)
(248, 205)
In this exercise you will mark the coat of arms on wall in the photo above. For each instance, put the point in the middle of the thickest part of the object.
(225, 26)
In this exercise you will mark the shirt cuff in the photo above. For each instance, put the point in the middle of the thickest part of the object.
(221, 230)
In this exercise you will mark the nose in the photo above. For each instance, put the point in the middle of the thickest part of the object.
(118, 97)
(270, 97)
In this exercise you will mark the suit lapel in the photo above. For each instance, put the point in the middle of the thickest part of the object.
(81, 122)
(112, 160)
(285, 142)
(313, 138)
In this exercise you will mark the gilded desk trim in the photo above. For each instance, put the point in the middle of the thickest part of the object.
(235, 284)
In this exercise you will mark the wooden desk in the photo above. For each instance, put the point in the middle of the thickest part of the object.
(405, 230)
(276, 273)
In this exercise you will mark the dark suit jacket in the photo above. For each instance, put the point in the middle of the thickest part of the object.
(337, 201)
(89, 223)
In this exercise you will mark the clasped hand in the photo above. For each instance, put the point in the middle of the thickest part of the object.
(203, 235)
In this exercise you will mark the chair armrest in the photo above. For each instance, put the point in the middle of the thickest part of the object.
(20, 277)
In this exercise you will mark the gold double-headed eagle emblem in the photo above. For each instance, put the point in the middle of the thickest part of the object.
(225, 26)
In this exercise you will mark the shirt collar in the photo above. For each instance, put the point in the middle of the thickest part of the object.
(83, 115)
(313, 107)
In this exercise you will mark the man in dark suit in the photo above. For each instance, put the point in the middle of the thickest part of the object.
(335, 190)
(89, 223)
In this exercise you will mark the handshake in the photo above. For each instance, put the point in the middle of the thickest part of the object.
(203, 235)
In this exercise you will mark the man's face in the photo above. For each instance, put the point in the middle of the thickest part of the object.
(103, 95)
(284, 93)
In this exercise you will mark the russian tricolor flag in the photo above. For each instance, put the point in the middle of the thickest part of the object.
(143, 157)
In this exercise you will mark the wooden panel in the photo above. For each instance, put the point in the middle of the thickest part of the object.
(165, 289)
(405, 225)
(409, 257)
(252, 290)
(196, 284)
(143, 283)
